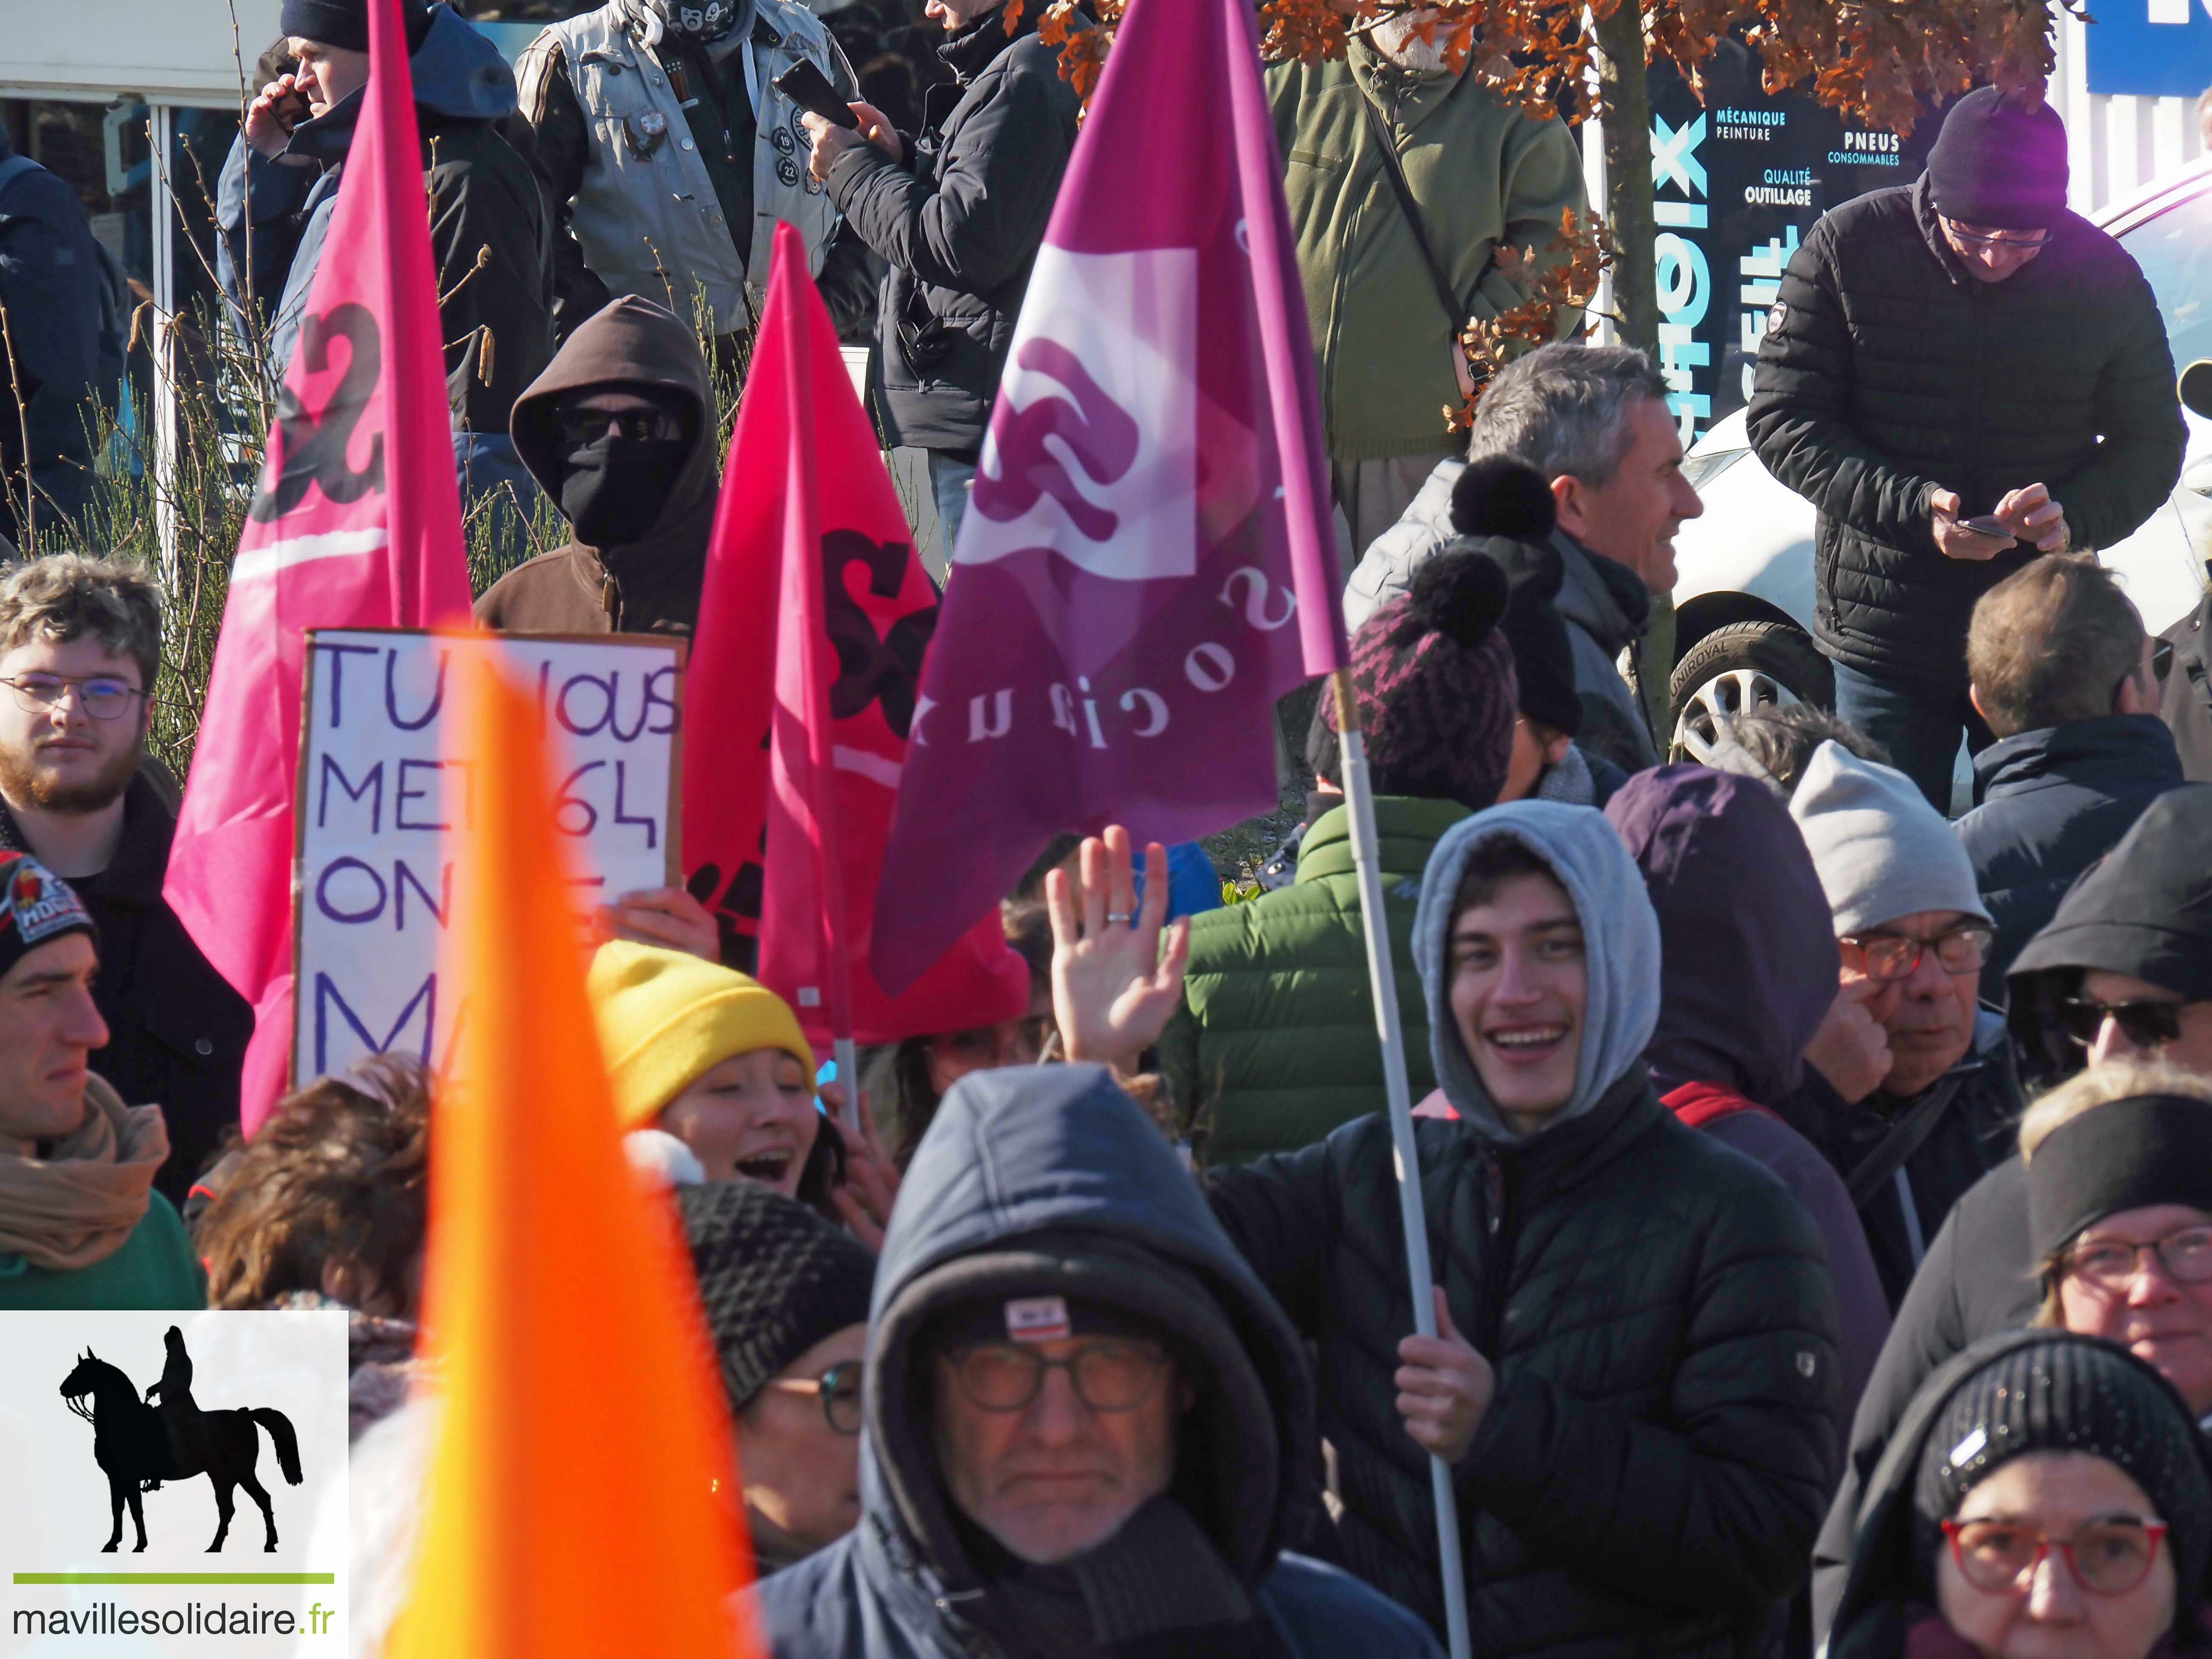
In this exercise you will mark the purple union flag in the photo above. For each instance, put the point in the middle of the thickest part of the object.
(1147, 562)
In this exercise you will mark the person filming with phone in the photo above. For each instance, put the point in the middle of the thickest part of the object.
(489, 233)
(1960, 374)
(957, 212)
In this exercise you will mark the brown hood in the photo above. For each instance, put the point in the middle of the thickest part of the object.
(635, 343)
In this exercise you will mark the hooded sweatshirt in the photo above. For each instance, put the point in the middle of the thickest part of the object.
(1657, 1310)
(2144, 910)
(1749, 974)
(649, 585)
(1050, 1180)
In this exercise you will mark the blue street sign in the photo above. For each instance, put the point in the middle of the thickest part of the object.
(2150, 48)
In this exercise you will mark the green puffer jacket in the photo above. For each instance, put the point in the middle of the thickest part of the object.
(1274, 1044)
(1482, 173)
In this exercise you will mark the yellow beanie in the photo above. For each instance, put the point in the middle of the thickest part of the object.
(667, 1018)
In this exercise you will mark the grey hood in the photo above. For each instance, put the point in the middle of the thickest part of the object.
(1043, 1178)
(1621, 936)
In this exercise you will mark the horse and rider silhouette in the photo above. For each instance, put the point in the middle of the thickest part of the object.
(138, 1446)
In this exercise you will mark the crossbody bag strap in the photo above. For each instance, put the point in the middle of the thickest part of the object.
(1457, 313)
(1904, 1138)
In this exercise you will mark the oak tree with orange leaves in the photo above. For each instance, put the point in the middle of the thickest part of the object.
(1879, 61)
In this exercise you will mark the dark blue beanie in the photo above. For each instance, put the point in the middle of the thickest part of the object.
(2000, 164)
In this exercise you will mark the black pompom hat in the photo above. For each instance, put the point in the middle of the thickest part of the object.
(1434, 678)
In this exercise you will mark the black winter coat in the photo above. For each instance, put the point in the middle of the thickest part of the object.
(2052, 803)
(1973, 1131)
(1887, 374)
(176, 1031)
(959, 222)
(1980, 1279)
(1653, 1466)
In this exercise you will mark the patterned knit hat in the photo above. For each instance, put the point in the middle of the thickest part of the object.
(35, 905)
(1434, 676)
(2069, 1392)
(774, 1277)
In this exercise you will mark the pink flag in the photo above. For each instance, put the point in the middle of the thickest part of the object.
(1149, 520)
(357, 524)
(800, 691)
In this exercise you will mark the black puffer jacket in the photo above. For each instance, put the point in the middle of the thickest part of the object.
(1662, 1442)
(1887, 374)
(960, 223)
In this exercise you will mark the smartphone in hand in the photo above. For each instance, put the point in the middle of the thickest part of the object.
(806, 85)
(1989, 524)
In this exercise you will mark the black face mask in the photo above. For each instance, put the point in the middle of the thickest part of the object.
(613, 490)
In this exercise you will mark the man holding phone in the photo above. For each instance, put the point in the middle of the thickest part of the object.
(488, 228)
(957, 212)
(1959, 373)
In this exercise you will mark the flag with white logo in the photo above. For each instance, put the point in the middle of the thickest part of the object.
(1147, 562)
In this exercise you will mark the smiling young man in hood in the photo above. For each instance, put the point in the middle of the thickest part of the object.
(1636, 1380)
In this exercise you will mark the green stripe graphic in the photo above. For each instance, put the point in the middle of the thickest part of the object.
(176, 1578)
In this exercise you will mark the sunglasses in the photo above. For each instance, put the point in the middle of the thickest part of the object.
(584, 425)
(2144, 1024)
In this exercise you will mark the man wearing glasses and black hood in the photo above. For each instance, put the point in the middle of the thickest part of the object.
(1090, 1430)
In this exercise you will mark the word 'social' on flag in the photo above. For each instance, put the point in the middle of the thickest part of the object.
(1147, 562)
(357, 524)
(801, 693)
(582, 1493)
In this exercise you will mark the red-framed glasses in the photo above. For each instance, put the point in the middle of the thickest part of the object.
(2107, 1557)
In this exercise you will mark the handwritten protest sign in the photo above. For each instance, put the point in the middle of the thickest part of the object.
(373, 888)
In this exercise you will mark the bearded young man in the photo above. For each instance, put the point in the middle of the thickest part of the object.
(80, 645)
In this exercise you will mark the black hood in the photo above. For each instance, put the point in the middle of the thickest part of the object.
(2144, 909)
(1050, 1177)
(1884, 1578)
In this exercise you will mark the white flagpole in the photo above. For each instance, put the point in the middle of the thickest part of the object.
(1382, 980)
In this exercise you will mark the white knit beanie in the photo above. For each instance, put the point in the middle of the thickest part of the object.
(1881, 850)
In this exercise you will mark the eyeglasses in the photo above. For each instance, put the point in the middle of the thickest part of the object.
(1893, 955)
(1997, 240)
(2107, 1558)
(2161, 659)
(2144, 1024)
(2110, 1264)
(583, 425)
(1109, 1375)
(102, 697)
(839, 1390)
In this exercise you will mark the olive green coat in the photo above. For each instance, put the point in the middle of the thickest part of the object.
(1274, 1045)
(1482, 173)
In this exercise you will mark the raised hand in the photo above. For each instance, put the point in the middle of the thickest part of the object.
(871, 1185)
(1112, 988)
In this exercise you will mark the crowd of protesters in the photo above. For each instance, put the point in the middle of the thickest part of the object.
(1819, 1192)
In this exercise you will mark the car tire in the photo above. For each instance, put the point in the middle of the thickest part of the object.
(1739, 668)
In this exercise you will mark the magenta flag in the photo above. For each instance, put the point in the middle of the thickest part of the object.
(357, 524)
(1147, 562)
(800, 691)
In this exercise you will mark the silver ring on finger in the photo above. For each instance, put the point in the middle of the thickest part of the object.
(1121, 916)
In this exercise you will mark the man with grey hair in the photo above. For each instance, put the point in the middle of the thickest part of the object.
(80, 646)
(1595, 421)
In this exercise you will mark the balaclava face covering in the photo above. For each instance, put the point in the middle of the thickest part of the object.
(677, 20)
(614, 489)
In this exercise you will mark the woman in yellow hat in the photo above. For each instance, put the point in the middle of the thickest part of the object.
(717, 1061)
